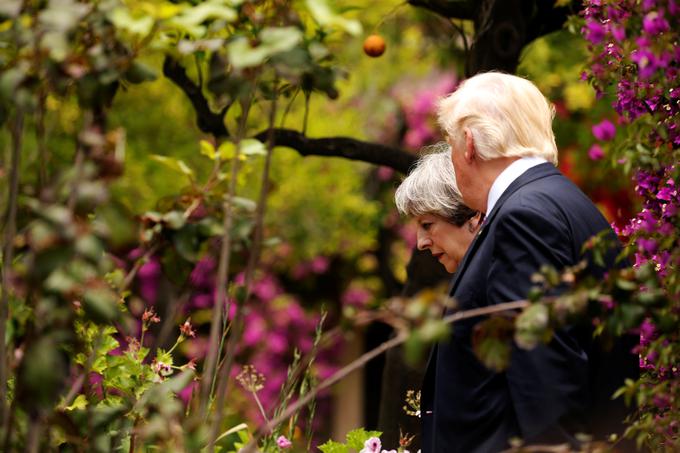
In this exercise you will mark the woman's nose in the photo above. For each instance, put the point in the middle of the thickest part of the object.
(423, 242)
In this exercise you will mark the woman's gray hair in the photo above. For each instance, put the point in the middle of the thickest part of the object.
(430, 188)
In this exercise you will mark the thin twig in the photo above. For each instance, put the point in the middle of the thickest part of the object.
(253, 259)
(223, 272)
(33, 435)
(7, 256)
(78, 383)
(366, 357)
(129, 278)
(40, 139)
(288, 107)
(306, 113)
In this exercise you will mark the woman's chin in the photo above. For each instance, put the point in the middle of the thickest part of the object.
(450, 267)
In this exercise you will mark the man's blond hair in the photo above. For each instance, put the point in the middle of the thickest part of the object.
(507, 115)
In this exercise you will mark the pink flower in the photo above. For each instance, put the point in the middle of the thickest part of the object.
(595, 152)
(283, 443)
(187, 329)
(320, 264)
(372, 445)
(385, 173)
(356, 297)
(604, 131)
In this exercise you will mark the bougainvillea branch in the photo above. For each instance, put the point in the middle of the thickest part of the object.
(635, 59)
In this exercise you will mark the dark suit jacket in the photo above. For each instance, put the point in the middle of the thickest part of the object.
(547, 394)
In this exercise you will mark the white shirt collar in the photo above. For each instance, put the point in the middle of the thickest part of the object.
(507, 176)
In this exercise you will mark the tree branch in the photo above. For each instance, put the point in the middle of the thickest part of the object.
(346, 147)
(206, 120)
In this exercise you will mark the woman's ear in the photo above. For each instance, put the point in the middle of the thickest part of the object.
(475, 222)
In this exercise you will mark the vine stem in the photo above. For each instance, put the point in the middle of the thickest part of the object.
(366, 357)
(7, 256)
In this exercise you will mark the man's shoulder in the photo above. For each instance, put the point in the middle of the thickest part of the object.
(551, 193)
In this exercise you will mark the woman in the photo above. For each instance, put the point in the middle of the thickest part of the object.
(446, 227)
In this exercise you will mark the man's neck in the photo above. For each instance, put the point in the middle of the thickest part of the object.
(490, 170)
(507, 176)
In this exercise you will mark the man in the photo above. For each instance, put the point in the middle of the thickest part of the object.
(503, 151)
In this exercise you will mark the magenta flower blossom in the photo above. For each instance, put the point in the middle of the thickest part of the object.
(595, 152)
(202, 276)
(648, 245)
(372, 445)
(594, 31)
(654, 24)
(619, 33)
(320, 264)
(385, 173)
(283, 443)
(356, 297)
(605, 130)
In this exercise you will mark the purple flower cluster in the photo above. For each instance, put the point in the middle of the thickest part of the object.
(635, 51)
(657, 219)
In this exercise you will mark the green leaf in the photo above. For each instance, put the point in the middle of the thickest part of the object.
(334, 447)
(208, 149)
(245, 203)
(280, 39)
(226, 150)
(232, 430)
(253, 147)
(491, 342)
(174, 220)
(531, 326)
(79, 403)
(272, 41)
(42, 373)
(63, 15)
(357, 437)
(243, 55)
(60, 281)
(139, 72)
(124, 20)
(325, 16)
(202, 12)
(101, 305)
(493, 353)
(10, 81)
(10, 8)
(187, 242)
(175, 164)
(90, 247)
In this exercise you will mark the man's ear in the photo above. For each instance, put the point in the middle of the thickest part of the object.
(470, 151)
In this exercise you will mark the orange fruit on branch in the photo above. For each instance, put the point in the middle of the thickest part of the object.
(374, 45)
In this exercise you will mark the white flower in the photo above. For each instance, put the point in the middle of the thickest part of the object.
(372, 445)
